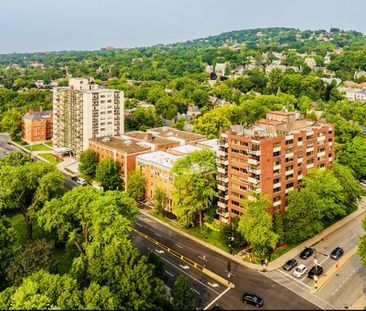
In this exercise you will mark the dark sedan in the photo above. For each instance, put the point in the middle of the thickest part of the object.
(306, 253)
(288, 266)
(315, 271)
(336, 253)
(253, 300)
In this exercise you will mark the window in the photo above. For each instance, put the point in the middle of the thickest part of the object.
(277, 153)
(289, 185)
(289, 176)
(276, 180)
(299, 139)
(289, 142)
(276, 145)
(235, 203)
(278, 189)
(276, 171)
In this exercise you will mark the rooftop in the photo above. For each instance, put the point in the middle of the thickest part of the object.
(160, 159)
(128, 146)
(185, 149)
(172, 133)
(38, 115)
(212, 144)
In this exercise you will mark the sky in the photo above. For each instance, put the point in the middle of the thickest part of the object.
(49, 25)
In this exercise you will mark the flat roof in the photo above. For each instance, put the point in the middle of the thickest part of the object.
(142, 136)
(160, 159)
(212, 144)
(121, 145)
(185, 149)
(172, 133)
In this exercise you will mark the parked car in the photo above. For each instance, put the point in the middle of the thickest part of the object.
(315, 271)
(252, 300)
(74, 178)
(300, 271)
(337, 253)
(80, 181)
(306, 253)
(289, 265)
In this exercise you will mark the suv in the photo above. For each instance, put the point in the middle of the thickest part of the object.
(253, 300)
(306, 253)
(315, 271)
(289, 265)
(336, 253)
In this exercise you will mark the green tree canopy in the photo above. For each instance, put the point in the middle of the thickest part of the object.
(195, 186)
(108, 174)
(88, 162)
(136, 186)
(183, 296)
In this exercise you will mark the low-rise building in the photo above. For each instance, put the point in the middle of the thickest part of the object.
(270, 157)
(156, 169)
(37, 126)
(353, 94)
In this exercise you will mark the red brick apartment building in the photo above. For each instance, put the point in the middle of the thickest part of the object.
(37, 126)
(270, 157)
(125, 148)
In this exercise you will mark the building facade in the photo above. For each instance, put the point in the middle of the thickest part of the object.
(271, 157)
(37, 126)
(83, 111)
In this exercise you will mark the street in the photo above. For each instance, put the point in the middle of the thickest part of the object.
(275, 296)
(5, 147)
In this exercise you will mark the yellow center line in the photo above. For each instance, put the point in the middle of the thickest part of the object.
(189, 261)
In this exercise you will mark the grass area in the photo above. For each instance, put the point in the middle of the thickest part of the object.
(281, 250)
(39, 147)
(50, 157)
(213, 237)
(49, 143)
(17, 221)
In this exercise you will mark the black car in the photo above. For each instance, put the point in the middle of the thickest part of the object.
(216, 308)
(288, 266)
(74, 178)
(315, 271)
(336, 253)
(252, 300)
(306, 253)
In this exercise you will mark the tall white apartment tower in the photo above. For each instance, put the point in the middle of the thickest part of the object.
(83, 111)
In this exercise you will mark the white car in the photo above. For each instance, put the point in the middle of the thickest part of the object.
(300, 270)
(81, 181)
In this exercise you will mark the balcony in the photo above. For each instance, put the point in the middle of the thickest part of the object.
(221, 187)
(224, 179)
(221, 170)
(289, 172)
(253, 180)
(299, 144)
(321, 138)
(277, 167)
(253, 161)
(299, 177)
(221, 204)
(321, 154)
(276, 185)
(311, 165)
(309, 149)
(299, 160)
(221, 153)
(222, 212)
(223, 161)
(289, 155)
(277, 149)
(330, 143)
(255, 170)
(289, 189)
(277, 203)
(255, 152)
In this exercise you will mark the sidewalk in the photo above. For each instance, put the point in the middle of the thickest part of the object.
(359, 304)
(273, 265)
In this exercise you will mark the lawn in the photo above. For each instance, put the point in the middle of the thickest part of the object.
(281, 250)
(50, 157)
(216, 238)
(38, 147)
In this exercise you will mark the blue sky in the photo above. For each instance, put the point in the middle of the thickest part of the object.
(47, 25)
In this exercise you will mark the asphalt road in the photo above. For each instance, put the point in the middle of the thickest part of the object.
(5, 147)
(275, 296)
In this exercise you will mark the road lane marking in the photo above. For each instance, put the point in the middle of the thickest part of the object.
(192, 277)
(185, 267)
(158, 234)
(302, 279)
(290, 276)
(197, 292)
(180, 246)
(168, 273)
(213, 284)
(324, 260)
(217, 298)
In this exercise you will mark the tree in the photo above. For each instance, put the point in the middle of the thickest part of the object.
(179, 125)
(35, 256)
(8, 243)
(11, 121)
(354, 156)
(97, 297)
(158, 264)
(26, 188)
(108, 174)
(278, 226)
(195, 186)
(88, 162)
(303, 217)
(159, 199)
(183, 296)
(136, 186)
(362, 244)
(15, 159)
(213, 122)
(85, 211)
(41, 291)
(256, 226)
(166, 108)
